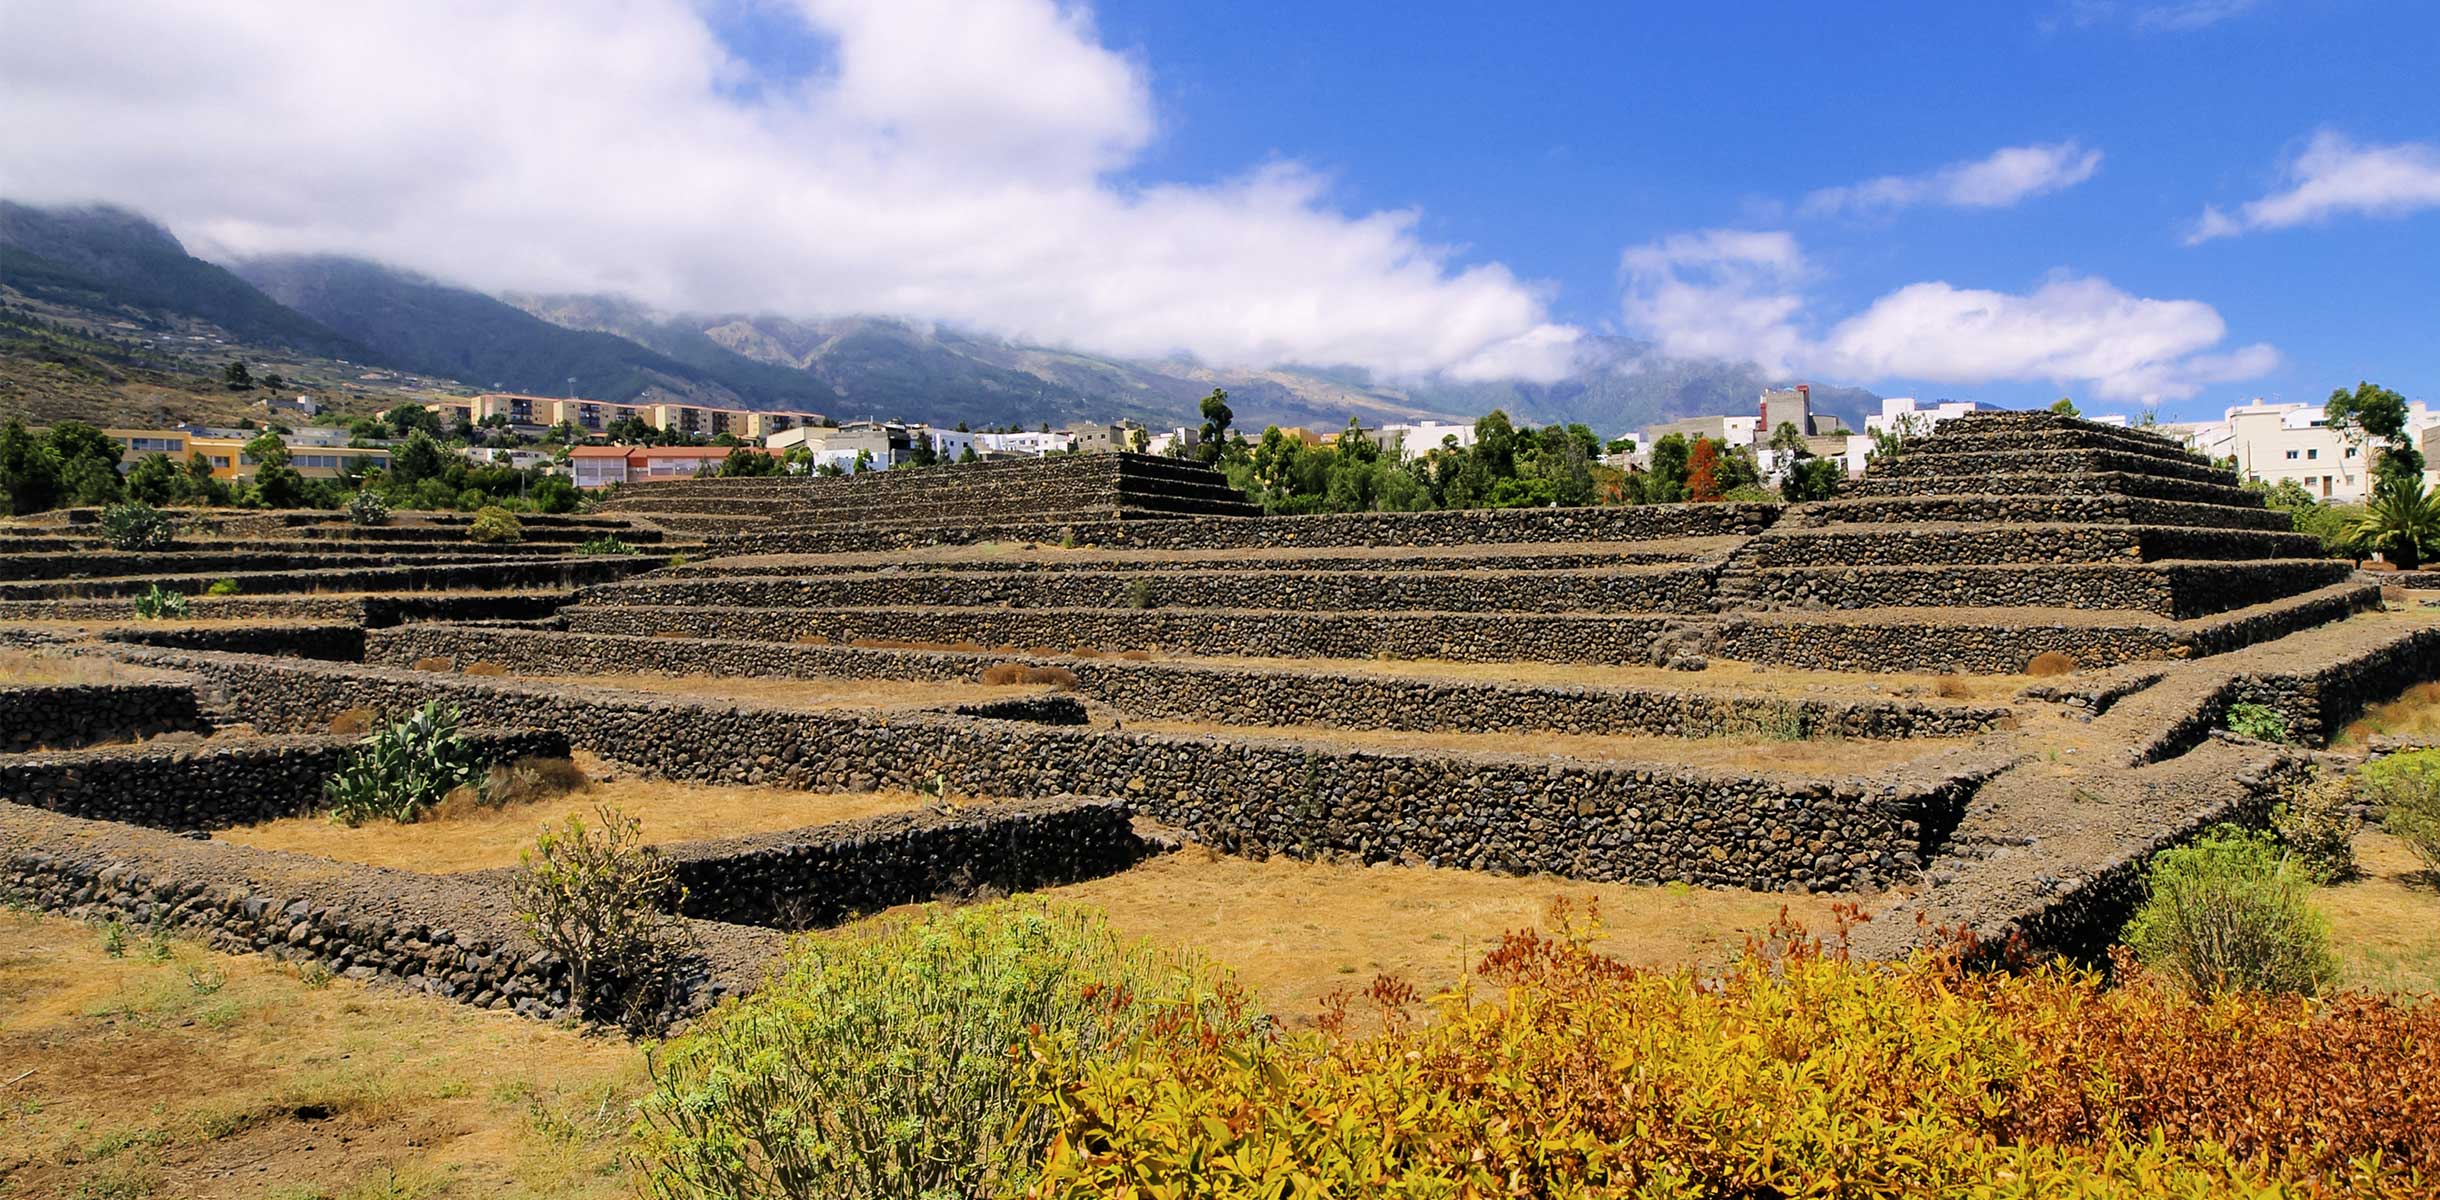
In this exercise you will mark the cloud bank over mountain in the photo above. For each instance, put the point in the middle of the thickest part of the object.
(953, 160)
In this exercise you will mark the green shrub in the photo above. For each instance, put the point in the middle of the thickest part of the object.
(368, 508)
(159, 603)
(496, 525)
(2260, 722)
(888, 1063)
(222, 587)
(2230, 913)
(601, 900)
(136, 525)
(2316, 822)
(2405, 790)
(607, 543)
(401, 771)
(1139, 593)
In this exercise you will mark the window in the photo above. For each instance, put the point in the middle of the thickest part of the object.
(2291, 454)
(222, 461)
(2351, 451)
(2313, 453)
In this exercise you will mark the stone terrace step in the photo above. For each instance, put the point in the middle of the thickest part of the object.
(1524, 558)
(1976, 464)
(1681, 589)
(2100, 483)
(2020, 509)
(461, 576)
(1455, 637)
(1949, 442)
(2000, 641)
(1894, 544)
(105, 564)
(2173, 589)
(2035, 421)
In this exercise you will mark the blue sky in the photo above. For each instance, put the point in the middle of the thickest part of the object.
(2187, 202)
(1550, 140)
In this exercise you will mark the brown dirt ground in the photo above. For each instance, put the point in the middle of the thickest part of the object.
(32, 668)
(169, 1070)
(1297, 931)
(468, 838)
(2386, 925)
(1808, 756)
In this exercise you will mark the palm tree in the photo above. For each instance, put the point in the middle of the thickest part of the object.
(2402, 522)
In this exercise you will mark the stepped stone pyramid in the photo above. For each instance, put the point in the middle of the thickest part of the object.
(1076, 487)
(2044, 522)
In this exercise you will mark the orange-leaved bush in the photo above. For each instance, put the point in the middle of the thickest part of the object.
(1564, 1073)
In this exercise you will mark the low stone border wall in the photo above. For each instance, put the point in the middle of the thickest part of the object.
(2036, 509)
(2057, 459)
(66, 716)
(1041, 710)
(339, 643)
(1225, 695)
(1932, 645)
(448, 936)
(1462, 527)
(810, 878)
(1674, 589)
(2415, 580)
(2093, 695)
(1590, 556)
(212, 785)
(1459, 637)
(98, 564)
(2177, 590)
(1855, 545)
(1511, 813)
(2102, 483)
(2319, 703)
(458, 576)
(368, 611)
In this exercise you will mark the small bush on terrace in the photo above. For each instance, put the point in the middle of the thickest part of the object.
(495, 525)
(2405, 790)
(1569, 1074)
(600, 899)
(2316, 821)
(889, 1063)
(136, 525)
(367, 508)
(405, 769)
(159, 603)
(2231, 913)
(2260, 722)
(607, 543)
(2049, 663)
(222, 587)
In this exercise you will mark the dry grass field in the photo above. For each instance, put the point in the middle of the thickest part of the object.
(167, 1070)
(468, 837)
(1722, 675)
(2386, 925)
(31, 669)
(2414, 713)
(1297, 931)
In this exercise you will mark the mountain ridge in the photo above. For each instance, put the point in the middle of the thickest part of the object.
(111, 260)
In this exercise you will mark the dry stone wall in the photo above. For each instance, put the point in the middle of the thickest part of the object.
(1511, 813)
(809, 878)
(1458, 637)
(1228, 695)
(67, 716)
(212, 785)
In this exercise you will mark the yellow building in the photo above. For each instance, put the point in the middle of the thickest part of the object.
(226, 452)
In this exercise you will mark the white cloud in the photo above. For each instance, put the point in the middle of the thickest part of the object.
(2190, 14)
(2335, 176)
(2005, 177)
(1738, 295)
(952, 160)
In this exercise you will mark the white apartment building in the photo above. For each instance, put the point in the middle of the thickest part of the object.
(1905, 413)
(2277, 443)
(1413, 441)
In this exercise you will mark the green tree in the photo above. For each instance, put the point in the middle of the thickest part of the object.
(2402, 522)
(2373, 412)
(155, 480)
(29, 470)
(1217, 417)
(744, 463)
(1788, 442)
(236, 377)
(2064, 407)
(267, 450)
(201, 486)
(1667, 476)
(419, 458)
(553, 494)
(88, 463)
(405, 420)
